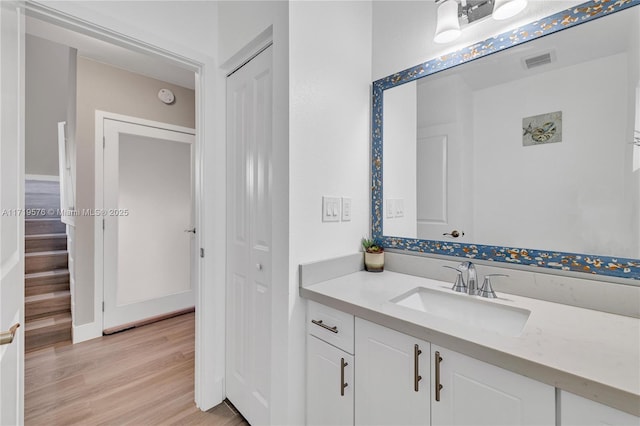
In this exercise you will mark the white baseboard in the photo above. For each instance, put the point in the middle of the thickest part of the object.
(85, 332)
(43, 177)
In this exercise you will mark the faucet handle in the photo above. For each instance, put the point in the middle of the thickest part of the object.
(459, 285)
(487, 290)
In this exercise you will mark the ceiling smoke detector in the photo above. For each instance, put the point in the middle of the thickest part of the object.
(166, 96)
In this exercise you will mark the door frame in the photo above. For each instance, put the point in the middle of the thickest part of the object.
(209, 381)
(98, 239)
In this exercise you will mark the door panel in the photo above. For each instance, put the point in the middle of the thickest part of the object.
(148, 197)
(11, 221)
(327, 402)
(249, 293)
(386, 393)
(474, 392)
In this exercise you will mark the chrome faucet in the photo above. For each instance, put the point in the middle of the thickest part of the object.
(472, 277)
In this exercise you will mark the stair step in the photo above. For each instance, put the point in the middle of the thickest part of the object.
(41, 305)
(45, 261)
(44, 226)
(47, 331)
(46, 282)
(45, 242)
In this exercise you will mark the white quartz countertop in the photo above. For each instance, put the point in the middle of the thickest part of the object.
(590, 353)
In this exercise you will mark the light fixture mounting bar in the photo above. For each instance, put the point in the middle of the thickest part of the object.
(472, 10)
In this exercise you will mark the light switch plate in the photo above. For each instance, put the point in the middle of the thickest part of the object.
(391, 210)
(400, 207)
(331, 209)
(346, 209)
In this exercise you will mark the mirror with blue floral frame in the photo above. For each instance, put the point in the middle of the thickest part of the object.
(519, 149)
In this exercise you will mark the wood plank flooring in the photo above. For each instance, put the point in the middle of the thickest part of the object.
(142, 376)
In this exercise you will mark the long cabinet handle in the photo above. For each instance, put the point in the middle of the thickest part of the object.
(438, 385)
(333, 329)
(416, 368)
(343, 385)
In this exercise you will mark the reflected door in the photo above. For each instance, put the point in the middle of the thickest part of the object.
(148, 246)
(442, 205)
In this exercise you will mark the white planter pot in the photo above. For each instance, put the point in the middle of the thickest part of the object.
(374, 262)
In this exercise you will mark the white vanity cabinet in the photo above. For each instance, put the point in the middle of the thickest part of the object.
(466, 391)
(392, 377)
(578, 411)
(330, 366)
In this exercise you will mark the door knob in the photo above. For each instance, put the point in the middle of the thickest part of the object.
(455, 233)
(6, 337)
(259, 266)
(192, 230)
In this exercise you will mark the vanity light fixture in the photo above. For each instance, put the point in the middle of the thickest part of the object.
(452, 13)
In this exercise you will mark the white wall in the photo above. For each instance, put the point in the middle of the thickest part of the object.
(581, 177)
(321, 132)
(400, 132)
(403, 31)
(187, 29)
(330, 65)
(46, 91)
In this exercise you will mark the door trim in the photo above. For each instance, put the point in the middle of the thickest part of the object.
(98, 296)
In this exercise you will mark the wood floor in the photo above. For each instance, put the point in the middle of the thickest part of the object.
(142, 376)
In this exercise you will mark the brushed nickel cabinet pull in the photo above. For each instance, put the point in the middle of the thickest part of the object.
(438, 385)
(342, 383)
(333, 329)
(416, 368)
(6, 337)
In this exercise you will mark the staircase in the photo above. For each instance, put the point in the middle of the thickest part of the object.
(47, 293)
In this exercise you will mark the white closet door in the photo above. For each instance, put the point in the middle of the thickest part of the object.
(249, 293)
(11, 221)
(148, 198)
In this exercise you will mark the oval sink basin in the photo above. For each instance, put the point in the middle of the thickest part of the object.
(465, 309)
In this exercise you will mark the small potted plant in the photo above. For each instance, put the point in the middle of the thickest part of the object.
(373, 255)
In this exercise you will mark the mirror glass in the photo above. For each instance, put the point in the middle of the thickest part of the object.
(530, 147)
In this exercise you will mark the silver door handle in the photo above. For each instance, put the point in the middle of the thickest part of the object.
(192, 230)
(6, 337)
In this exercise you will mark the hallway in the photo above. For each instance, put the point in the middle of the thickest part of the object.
(142, 376)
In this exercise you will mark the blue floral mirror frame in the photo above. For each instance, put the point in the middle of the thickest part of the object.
(585, 263)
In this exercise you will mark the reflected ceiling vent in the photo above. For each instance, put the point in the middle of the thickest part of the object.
(539, 60)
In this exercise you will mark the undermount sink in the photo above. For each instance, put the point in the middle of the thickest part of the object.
(467, 310)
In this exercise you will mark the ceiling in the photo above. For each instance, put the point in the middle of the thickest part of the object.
(120, 57)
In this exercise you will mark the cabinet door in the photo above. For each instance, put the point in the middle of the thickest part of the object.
(476, 393)
(329, 384)
(386, 389)
(578, 411)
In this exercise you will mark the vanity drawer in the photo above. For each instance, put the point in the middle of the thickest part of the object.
(332, 326)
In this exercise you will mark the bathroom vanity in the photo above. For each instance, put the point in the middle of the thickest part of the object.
(518, 153)
(373, 359)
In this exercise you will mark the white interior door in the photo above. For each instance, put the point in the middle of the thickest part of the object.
(148, 200)
(11, 221)
(441, 202)
(249, 292)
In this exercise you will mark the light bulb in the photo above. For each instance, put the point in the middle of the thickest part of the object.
(447, 24)
(505, 9)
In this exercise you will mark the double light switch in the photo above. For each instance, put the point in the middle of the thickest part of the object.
(335, 209)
